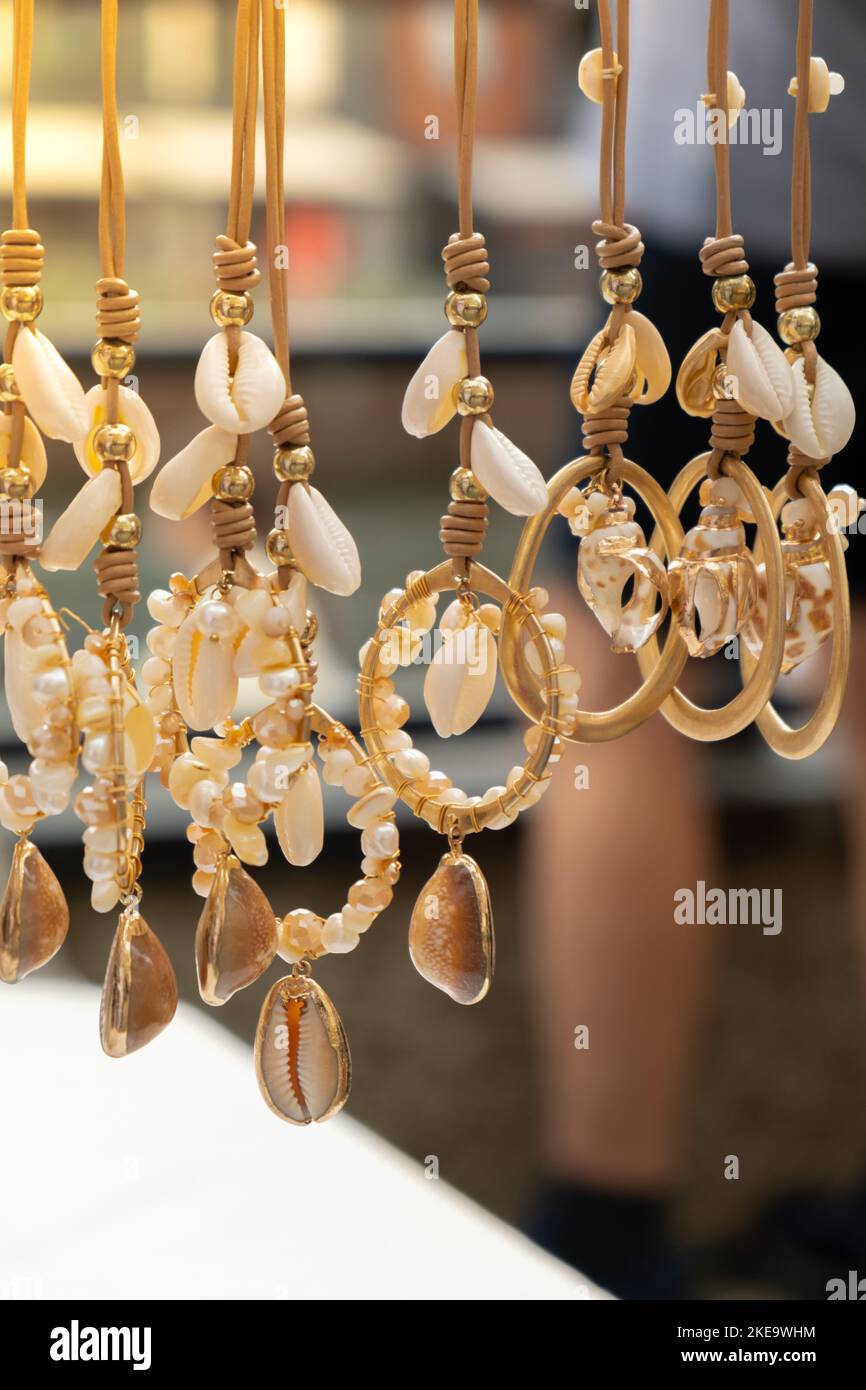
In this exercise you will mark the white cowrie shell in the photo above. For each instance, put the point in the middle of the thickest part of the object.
(49, 388)
(299, 818)
(503, 470)
(460, 678)
(133, 412)
(184, 483)
(821, 428)
(760, 372)
(321, 544)
(251, 398)
(431, 399)
(205, 683)
(76, 531)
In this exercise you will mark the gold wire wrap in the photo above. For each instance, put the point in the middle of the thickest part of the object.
(235, 266)
(466, 263)
(724, 255)
(117, 310)
(291, 427)
(22, 257)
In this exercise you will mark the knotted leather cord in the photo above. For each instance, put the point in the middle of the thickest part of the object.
(463, 528)
(733, 428)
(797, 284)
(619, 244)
(117, 318)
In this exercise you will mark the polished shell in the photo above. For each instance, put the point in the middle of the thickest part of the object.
(451, 931)
(133, 412)
(652, 361)
(183, 484)
(503, 470)
(246, 400)
(203, 674)
(34, 917)
(303, 1064)
(50, 390)
(322, 545)
(460, 678)
(299, 818)
(695, 377)
(820, 427)
(431, 396)
(236, 936)
(77, 530)
(759, 372)
(139, 995)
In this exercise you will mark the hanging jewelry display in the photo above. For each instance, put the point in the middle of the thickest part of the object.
(451, 931)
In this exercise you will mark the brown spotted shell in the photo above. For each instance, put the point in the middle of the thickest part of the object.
(139, 996)
(451, 931)
(34, 917)
(236, 936)
(303, 1064)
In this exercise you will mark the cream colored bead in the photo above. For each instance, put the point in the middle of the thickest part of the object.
(337, 937)
(823, 84)
(371, 807)
(591, 74)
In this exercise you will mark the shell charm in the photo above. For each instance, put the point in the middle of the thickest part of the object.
(322, 545)
(758, 372)
(821, 418)
(652, 361)
(299, 819)
(505, 472)
(808, 591)
(303, 1064)
(451, 932)
(76, 531)
(612, 551)
(184, 483)
(139, 996)
(605, 371)
(462, 674)
(697, 373)
(205, 682)
(34, 916)
(431, 396)
(50, 389)
(712, 585)
(236, 936)
(247, 399)
(32, 456)
(132, 412)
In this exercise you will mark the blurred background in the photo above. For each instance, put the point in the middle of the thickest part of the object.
(370, 199)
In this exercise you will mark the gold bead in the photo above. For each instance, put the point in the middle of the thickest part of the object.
(112, 357)
(279, 548)
(114, 443)
(8, 385)
(466, 308)
(733, 292)
(16, 482)
(722, 383)
(293, 465)
(465, 487)
(800, 325)
(475, 396)
(234, 483)
(227, 309)
(123, 532)
(21, 303)
(621, 286)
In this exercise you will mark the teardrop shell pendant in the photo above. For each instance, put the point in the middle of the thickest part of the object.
(303, 1064)
(451, 933)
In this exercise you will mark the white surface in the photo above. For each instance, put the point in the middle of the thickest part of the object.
(165, 1176)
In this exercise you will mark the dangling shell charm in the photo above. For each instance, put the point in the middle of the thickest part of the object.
(205, 682)
(303, 1064)
(184, 482)
(712, 585)
(246, 399)
(759, 372)
(808, 591)
(606, 370)
(696, 375)
(236, 936)
(76, 531)
(822, 416)
(614, 550)
(505, 472)
(322, 545)
(431, 396)
(34, 917)
(451, 932)
(139, 996)
(461, 677)
(652, 362)
(50, 389)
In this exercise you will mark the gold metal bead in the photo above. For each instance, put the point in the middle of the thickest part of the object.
(234, 483)
(112, 357)
(475, 396)
(279, 548)
(466, 308)
(114, 443)
(465, 487)
(733, 292)
(8, 385)
(123, 532)
(16, 482)
(21, 303)
(621, 286)
(800, 325)
(294, 465)
(228, 310)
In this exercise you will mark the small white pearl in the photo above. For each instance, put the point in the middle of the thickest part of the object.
(216, 619)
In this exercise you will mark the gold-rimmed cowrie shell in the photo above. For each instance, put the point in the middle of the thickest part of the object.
(605, 370)
(451, 932)
(505, 472)
(34, 916)
(591, 74)
(303, 1064)
(758, 372)
(821, 419)
(431, 396)
(695, 377)
(652, 361)
(247, 399)
(236, 936)
(823, 84)
(133, 412)
(203, 673)
(321, 544)
(139, 995)
(49, 388)
(183, 484)
(299, 819)
(461, 677)
(76, 531)
(33, 454)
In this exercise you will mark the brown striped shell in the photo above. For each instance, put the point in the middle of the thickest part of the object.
(303, 1064)
(236, 936)
(451, 932)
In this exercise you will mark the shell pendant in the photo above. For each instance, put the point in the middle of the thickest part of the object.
(139, 996)
(34, 917)
(451, 932)
(303, 1064)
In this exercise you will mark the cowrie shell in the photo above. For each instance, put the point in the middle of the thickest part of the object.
(203, 674)
(322, 545)
(460, 678)
(821, 428)
(133, 412)
(651, 359)
(760, 372)
(503, 470)
(431, 396)
(299, 817)
(76, 531)
(249, 399)
(33, 454)
(605, 371)
(695, 377)
(49, 388)
(184, 483)
(302, 1057)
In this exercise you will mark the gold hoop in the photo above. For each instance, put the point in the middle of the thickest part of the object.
(800, 743)
(710, 725)
(446, 816)
(523, 687)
